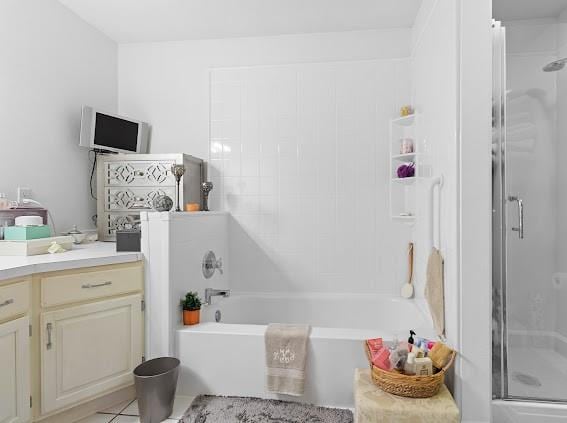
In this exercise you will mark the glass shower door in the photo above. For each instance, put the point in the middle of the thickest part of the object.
(530, 321)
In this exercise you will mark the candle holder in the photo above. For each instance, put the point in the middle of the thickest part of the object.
(206, 188)
(178, 171)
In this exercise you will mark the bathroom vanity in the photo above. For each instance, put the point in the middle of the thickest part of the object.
(71, 332)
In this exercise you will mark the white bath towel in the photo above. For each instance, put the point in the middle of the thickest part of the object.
(286, 355)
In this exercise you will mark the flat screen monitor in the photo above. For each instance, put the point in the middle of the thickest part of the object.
(109, 132)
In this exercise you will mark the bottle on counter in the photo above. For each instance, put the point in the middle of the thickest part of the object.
(4, 203)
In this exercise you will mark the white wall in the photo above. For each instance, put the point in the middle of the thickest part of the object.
(452, 90)
(174, 245)
(311, 215)
(167, 84)
(52, 64)
(435, 97)
(434, 73)
(473, 266)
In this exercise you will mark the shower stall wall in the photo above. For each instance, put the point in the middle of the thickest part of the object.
(529, 279)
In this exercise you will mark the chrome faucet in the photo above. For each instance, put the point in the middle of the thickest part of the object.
(210, 293)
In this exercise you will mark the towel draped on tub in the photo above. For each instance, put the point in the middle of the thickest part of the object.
(286, 354)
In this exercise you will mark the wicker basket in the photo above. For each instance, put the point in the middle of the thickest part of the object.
(408, 386)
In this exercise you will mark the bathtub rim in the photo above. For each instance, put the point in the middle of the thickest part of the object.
(419, 302)
(427, 331)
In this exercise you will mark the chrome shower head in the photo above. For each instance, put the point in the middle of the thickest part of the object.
(555, 65)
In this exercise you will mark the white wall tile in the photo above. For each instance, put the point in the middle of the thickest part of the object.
(305, 180)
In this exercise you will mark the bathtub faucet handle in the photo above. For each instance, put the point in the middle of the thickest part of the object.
(210, 264)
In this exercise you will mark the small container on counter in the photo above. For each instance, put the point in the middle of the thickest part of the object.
(4, 203)
(128, 240)
(423, 366)
(192, 207)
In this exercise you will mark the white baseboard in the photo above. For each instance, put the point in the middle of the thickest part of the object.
(81, 411)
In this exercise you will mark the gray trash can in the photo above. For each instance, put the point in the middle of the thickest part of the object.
(156, 381)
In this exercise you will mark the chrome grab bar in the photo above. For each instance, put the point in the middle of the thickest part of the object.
(7, 302)
(49, 328)
(96, 285)
(520, 227)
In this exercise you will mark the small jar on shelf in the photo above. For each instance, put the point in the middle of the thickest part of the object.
(406, 146)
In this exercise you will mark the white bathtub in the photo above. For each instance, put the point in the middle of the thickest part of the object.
(227, 358)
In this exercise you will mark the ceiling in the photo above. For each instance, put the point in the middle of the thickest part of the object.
(527, 9)
(129, 21)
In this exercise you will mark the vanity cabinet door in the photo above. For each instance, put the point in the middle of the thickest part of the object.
(14, 371)
(89, 349)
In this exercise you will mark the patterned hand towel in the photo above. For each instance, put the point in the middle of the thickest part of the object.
(286, 354)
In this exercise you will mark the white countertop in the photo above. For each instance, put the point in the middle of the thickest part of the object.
(82, 255)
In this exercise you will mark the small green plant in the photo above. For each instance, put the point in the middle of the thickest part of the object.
(191, 301)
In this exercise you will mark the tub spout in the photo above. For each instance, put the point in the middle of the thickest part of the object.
(210, 293)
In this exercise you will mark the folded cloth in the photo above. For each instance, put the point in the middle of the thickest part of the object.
(434, 290)
(440, 355)
(375, 344)
(381, 358)
(286, 355)
(379, 354)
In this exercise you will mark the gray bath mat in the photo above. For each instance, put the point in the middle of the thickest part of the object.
(213, 409)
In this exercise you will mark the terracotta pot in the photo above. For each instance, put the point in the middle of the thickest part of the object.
(191, 317)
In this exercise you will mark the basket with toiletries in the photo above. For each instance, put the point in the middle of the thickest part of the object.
(414, 369)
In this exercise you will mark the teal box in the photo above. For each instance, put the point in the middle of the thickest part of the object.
(24, 233)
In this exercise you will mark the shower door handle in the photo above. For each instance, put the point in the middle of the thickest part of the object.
(520, 227)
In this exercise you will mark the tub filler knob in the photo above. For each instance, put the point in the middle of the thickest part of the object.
(210, 264)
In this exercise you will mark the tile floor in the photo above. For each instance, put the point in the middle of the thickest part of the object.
(128, 412)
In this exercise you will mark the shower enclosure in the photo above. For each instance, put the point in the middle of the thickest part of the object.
(529, 212)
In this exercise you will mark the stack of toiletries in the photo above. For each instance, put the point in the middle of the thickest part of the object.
(26, 228)
(29, 235)
(414, 368)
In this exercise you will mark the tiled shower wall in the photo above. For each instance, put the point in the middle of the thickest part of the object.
(299, 156)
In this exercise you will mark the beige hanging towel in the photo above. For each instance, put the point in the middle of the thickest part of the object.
(434, 290)
(286, 355)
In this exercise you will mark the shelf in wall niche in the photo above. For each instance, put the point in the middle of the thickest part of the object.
(404, 181)
(403, 191)
(404, 120)
(408, 157)
(404, 219)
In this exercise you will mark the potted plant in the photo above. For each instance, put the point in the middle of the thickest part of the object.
(191, 308)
